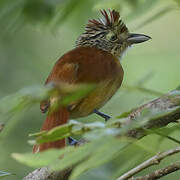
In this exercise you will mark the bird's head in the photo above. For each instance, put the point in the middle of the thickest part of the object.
(109, 34)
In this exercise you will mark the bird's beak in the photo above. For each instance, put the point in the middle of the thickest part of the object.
(137, 38)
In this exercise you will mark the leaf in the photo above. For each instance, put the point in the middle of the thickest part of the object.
(169, 129)
(100, 150)
(63, 131)
(124, 114)
(4, 174)
(78, 154)
(106, 151)
(56, 133)
(70, 154)
(40, 159)
(29, 96)
(78, 92)
(165, 131)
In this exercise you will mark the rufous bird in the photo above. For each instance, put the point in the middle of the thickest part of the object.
(95, 59)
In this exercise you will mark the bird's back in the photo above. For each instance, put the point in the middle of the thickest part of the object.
(86, 65)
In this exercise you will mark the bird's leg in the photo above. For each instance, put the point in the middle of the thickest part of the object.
(72, 141)
(105, 116)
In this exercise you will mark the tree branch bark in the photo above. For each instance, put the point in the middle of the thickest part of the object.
(150, 162)
(169, 103)
(45, 173)
(160, 172)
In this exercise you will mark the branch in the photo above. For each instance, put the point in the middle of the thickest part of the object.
(45, 173)
(169, 103)
(160, 172)
(152, 161)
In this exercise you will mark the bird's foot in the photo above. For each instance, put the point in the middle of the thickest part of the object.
(105, 116)
(72, 141)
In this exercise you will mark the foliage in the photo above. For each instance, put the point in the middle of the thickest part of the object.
(4, 174)
(57, 11)
(102, 140)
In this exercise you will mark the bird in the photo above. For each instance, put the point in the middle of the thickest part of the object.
(95, 59)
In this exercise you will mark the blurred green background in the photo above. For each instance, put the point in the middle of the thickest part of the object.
(34, 34)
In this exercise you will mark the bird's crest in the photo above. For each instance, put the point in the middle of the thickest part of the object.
(110, 20)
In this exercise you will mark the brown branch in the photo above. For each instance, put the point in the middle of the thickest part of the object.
(169, 103)
(160, 172)
(45, 173)
(152, 161)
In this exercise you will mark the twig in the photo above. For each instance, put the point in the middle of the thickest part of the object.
(169, 102)
(152, 161)
(160, 172)
(46, 174)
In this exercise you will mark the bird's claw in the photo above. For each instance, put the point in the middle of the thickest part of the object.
(105, 116)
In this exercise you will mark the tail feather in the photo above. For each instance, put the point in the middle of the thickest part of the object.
(53, 119)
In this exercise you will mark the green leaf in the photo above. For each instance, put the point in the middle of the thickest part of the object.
(4, 174)
(63, 131)
(78, 154)
(56, 133)
(124, 114)
(40, 159)
(100, 151)
(165, 131)
(26, 97)
(70, 154)
(78, 92)
(107, 150)
(169, 129)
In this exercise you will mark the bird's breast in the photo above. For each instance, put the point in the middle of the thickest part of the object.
(103, 92)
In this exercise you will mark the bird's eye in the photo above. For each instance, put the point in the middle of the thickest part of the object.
(111, 36)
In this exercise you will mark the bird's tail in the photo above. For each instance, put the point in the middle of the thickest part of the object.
(53, 119)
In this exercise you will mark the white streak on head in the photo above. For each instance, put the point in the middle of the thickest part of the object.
(124, 53)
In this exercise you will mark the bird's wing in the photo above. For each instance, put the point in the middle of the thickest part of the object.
(62, 72)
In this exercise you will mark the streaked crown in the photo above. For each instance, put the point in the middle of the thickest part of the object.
(109, 34)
